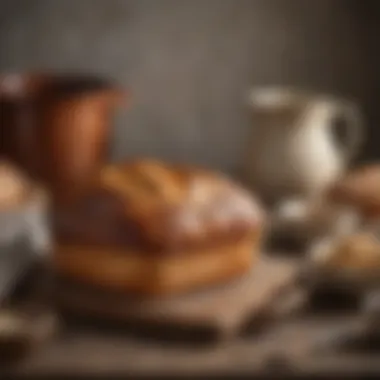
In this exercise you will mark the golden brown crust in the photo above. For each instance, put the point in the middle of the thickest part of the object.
(161, 208)
(360, 189)
(359, 251)
(134, 273)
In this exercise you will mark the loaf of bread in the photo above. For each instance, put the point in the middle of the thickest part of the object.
(155, 228)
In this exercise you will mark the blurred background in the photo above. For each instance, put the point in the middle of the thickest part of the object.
(189, 64)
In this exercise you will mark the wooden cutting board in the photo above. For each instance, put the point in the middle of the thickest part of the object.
(218, 313)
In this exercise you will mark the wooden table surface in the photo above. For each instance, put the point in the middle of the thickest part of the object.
(301, 344)
(288, 346)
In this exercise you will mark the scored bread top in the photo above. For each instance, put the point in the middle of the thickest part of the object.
(163, 207)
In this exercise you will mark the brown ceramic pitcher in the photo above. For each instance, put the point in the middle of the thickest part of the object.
(57, 127)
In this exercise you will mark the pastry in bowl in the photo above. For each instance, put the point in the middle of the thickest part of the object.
(359, 252)
(148, 227)
(352, 261)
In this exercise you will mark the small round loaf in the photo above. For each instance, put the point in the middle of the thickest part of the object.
(360, 189)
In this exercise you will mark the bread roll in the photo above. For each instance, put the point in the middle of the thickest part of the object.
(361, 190)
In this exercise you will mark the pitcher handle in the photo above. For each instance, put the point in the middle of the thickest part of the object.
(354, 125)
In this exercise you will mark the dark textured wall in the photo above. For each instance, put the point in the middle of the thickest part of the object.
(189, 63)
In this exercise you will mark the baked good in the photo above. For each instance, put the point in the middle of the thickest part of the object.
(14, 187)
(359, 251)
(360, 189)
(149, 227)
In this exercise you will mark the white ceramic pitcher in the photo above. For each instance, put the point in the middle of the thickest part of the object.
(293, 151)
